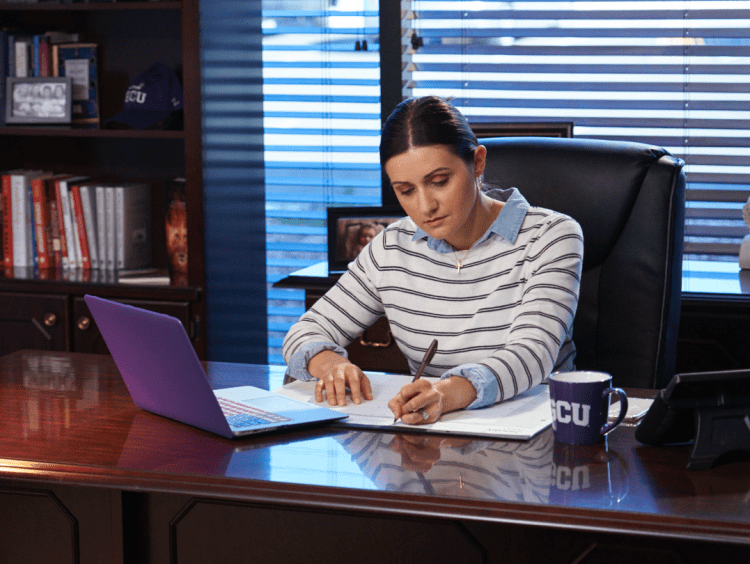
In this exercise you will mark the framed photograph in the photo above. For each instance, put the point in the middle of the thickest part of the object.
(517, 129)
(351, 228)
(38, 100)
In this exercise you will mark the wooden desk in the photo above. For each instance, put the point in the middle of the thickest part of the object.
(88, 477)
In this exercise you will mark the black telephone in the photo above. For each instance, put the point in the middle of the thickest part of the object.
(711, 408)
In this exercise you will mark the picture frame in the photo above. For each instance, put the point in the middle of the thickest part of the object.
(38, 100)
(350, 228)
(523, 129)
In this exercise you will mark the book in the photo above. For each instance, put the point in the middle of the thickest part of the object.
(61, 225)
(70, 231)
(31, 230)
(79, 61)
(80, 225)
(109, 220)
(521, 417)
(54, 234)
(101, 226)
(23, 57)
(3, 71)
(11, 54)
(23, 251)
(7, 219)
(144, 277)
(40, 212)
(7, 216)
(88, 205)
(56, 36)
(133, 225)
(43, 51)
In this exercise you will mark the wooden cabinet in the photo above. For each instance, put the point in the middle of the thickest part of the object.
(88, 339)
(33, 318)
(130, 36)
(29, 321)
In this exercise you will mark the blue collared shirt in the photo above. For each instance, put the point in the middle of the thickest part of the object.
(506, 225)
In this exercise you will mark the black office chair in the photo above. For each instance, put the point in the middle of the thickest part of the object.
(629, 199)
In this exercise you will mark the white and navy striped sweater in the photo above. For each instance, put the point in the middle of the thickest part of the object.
(505, 321)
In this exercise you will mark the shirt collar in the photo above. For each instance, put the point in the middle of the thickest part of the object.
(506, 226)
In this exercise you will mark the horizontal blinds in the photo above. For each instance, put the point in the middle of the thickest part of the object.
(321, 114)
(671, 73)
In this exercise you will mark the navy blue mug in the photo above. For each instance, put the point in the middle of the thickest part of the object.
(580, 406)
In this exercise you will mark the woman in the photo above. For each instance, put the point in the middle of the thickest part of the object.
(493, 279)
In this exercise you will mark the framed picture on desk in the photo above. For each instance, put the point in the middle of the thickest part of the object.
(351, 228)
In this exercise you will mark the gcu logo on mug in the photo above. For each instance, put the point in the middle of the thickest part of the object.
(564, 478)
(580, 405)
(564, 412)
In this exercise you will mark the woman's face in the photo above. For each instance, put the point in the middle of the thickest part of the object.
(438, 190)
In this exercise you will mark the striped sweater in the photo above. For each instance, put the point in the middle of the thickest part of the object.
(505, 321)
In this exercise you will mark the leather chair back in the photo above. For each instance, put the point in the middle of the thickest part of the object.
(629, 199)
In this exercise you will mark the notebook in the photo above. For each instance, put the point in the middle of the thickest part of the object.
(164, 376)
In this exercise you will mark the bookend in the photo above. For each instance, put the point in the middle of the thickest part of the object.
(719, 430)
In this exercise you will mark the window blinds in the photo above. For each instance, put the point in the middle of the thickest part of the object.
(321, 113)
(671, 73)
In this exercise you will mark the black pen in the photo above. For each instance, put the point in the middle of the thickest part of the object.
(425, 362)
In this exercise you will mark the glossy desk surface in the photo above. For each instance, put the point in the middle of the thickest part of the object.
(68, 418)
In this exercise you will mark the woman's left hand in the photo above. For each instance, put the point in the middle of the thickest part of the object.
(424, 402)
(418, 403)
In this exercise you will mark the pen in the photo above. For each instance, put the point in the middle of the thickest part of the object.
(425, 361)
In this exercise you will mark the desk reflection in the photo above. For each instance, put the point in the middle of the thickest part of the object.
(534, 471)
(455, 467)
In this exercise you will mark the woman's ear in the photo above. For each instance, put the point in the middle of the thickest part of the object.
(480, 159)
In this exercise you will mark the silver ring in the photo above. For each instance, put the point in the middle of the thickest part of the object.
(425, 415)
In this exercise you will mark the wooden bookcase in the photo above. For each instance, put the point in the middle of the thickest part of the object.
(50, 313)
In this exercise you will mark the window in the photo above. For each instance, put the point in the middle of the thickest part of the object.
(672, 73)
(321, 114)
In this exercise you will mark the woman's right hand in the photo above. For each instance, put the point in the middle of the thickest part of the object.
(335, 373)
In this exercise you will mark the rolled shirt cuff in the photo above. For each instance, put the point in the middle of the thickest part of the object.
(481, 378)
(297, 366)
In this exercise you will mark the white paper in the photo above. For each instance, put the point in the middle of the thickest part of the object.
(637, 408)
(520, 417)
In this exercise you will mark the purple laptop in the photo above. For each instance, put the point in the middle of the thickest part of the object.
(164, 376)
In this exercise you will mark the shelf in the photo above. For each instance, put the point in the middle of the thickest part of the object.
(67, 131)
(88, 6)
(22, 281)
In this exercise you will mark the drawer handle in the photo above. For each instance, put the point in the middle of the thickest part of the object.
(375, 344)
(84, 323)
(50, 319)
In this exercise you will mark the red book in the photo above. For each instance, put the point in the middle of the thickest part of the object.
(44, 57)
(41, 221)
(75, 195)
(7, 222)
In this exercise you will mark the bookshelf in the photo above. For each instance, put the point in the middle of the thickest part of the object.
(48, 312)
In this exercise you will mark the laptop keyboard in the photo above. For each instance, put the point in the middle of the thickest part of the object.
(242, 415)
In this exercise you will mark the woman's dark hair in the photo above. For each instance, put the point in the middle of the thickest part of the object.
(429, 120)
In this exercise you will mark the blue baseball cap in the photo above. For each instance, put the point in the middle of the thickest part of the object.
(150, 98)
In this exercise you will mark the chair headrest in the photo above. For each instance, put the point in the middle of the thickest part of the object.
(596, 182)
